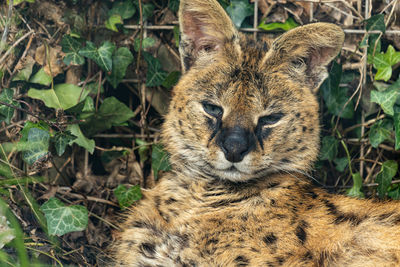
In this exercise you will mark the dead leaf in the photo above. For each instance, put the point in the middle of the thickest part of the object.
(51, 59)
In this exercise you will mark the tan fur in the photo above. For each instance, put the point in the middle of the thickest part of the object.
(216, 209)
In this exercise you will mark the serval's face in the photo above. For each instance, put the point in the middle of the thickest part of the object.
(244, 109)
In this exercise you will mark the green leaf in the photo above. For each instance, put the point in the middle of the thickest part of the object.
(143, 150)
(111, 113)
(147, 10)
(329, 148)
(383, 62)
(71, 47)
(112, 21)
(384, 177)
(63, 219)
(36, 146)
(155, 74)
(173, 5)
(176, 35)
(380, 131)
(6, 232)
(335, 96)
(288, 25)
(64, 96)
(61, 140)
(108, 156)
(355, 191)
(6, 113)
(238, 10)
(376, 23)
(396, 119)
(102, 55)
(29, 125)
(385, 99)
(126, 197)
(81, 140)
(120, 62)
(25, 73)
(341, 163)
(159, 160)
(125, 9)
(394, 193)
(146, 43)
(41, 77)
(171, 79)
(372, 39)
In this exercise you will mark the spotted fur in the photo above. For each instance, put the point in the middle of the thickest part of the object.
(242, 131)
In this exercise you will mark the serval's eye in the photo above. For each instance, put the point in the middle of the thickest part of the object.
(270, 119)
(213, 110)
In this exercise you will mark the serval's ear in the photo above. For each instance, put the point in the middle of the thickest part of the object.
(205, 28)
(306, 51)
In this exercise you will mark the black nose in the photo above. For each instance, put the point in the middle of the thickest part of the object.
(235, 143)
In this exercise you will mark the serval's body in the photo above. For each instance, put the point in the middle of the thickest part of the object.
(242, 130)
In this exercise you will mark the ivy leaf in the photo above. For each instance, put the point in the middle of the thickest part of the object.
(394, 193)
(384, 177)
(111, 113)
(63, 219)
(159, 160)
(288, 25)
(120, 62)
(81, 140)
(173, 5)
(6, 113)
(64, 95)
(112, 21)
(155, 74)
(71, 46)
(61, 140)
(143, 150)
(341, 163)
(396, 119)
(376, 23)
(36, 146)
(41, 77)
(108, 156)
(329, 148)
(124, 9)
(26, 71)
(176, 35)
(171, 79)
(372, 39)
(335, 96)
(383, 62)
(355, 191)
(385, 99)
(126, 197)
(380, 131)
(147, 10)
(146, 42)
(29, 125)
(238, 10)
(102, 55)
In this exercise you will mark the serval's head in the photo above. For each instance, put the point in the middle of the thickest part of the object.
(246, 108)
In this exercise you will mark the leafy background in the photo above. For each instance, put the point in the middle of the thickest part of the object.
(84, 86)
